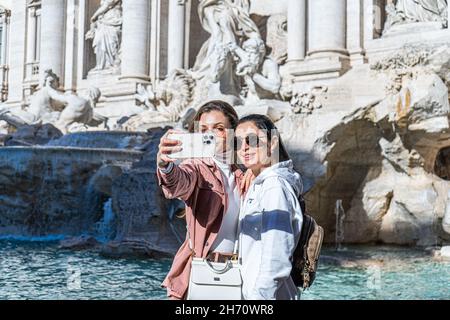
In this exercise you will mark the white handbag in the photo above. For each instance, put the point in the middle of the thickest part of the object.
(215, 280)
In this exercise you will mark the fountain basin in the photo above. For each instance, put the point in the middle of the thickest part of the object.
(51, 190)
(102, 139)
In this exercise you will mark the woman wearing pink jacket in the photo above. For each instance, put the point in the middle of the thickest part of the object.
(211, 190)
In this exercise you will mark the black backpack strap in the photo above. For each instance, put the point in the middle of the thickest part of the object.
(302, 202)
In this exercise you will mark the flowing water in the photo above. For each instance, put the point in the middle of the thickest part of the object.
(39, 270)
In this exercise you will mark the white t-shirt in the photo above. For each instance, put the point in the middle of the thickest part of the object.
(226, 237)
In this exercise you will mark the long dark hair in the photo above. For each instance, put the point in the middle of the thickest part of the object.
(216, 105)
(264, 123)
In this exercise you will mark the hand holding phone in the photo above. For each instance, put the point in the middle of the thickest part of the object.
(194, 145)
(167, 147)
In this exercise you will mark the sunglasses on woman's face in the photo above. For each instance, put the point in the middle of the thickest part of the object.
(252, 140)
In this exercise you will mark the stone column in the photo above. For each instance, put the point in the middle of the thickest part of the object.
(5, 21)
(52, 37)
(31, 37)
(369, 19)
(355, 31)
(17, 49)
(176, 34)
(296, 18)
(38, 34)
(327, 55)
(135, 39)
(327, 27)
(71, 63)
(4, 59)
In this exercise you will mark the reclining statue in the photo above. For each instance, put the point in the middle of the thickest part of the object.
(49, 105)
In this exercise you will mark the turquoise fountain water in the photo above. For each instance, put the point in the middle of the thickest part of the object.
(39, 270)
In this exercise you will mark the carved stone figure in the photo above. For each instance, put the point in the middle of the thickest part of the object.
(233, 56)
(165, 101)
(229, 23)
(49, 105)
(79, 110)
(411, 11)
(260, 72)
(145, 96)
(105, 32)
(41, 110)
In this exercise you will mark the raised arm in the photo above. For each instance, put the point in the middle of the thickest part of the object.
(176, 181)
(270, 80)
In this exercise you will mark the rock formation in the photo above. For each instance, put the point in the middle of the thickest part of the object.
(373, 145)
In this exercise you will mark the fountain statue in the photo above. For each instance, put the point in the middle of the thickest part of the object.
(232, 65)
(403, 12)
(105, 33)
(164, 102)
(260, 72)
(229, 24)
(49, 105)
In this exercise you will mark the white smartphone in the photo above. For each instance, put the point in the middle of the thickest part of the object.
(195, 145)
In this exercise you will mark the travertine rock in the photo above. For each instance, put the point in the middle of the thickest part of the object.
(50, 191)
(375, 149)
(146, 221)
